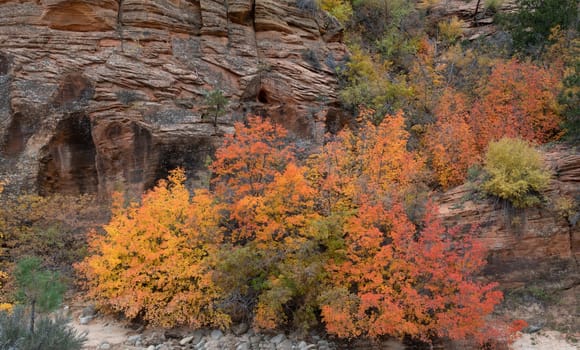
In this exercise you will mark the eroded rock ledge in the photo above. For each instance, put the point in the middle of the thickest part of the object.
(100, 94)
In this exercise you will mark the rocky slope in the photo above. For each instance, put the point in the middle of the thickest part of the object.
(100, 94)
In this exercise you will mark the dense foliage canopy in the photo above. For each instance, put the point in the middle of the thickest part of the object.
(287, 244)
(345, 236)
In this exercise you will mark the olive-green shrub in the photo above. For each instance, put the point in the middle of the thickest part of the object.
(515, 172)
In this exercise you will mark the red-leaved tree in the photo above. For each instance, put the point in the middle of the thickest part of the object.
(397, 280)
(450, 141)
(519, 100)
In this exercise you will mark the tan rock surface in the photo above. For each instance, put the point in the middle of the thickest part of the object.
(100, 94)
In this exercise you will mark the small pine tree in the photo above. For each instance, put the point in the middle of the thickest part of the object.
(37, 287)
(216, 103)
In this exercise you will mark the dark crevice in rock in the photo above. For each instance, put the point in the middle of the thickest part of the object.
(68, 162)
(334, 121)
(198, 17)
(191, 155)
(120, 22)
(253, 17)
(228, 26)
(263, 96)
(137, 172)
(571, 232)
(4, 64)
(198, 4)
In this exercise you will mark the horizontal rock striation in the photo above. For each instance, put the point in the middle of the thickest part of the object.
(100, 95)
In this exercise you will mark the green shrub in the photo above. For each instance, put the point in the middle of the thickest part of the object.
(50, 334)
(369, 83)
(216, 103)
(340, 9)
(310, 6)
(38, 285)
(474, 172)
(569, 99)
(450, 31)
(515, 172)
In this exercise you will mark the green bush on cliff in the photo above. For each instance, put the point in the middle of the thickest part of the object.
(515, 172)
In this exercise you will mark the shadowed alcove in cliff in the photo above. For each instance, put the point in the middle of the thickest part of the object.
(68, 162)
(192, 155)
(336, 121)
(263, 96)
(124, 154)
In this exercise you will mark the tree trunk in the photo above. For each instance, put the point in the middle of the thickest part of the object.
(32, 315)
(475, 13)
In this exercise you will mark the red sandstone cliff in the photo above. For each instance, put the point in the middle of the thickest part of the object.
(95, 94)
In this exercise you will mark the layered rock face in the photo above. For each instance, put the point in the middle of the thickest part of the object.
(533, 248)
(97, 95)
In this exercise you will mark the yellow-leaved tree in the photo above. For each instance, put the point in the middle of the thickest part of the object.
(154, 261)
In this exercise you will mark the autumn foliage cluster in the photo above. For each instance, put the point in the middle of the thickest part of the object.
(461, 90)
(346, 237)
(283, 243)
(518, 101)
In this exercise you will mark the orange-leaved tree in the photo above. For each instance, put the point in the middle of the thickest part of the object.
(269, 206)
(385, 162)
(399, 281)
(284, 237)
(371, 160)
(245, 165)
(519, 100)
(388, 276)
(154, 260)
(426, 76)
(450, 141)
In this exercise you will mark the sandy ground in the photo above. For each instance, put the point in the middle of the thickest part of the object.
(102, 330)
(545, 340)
